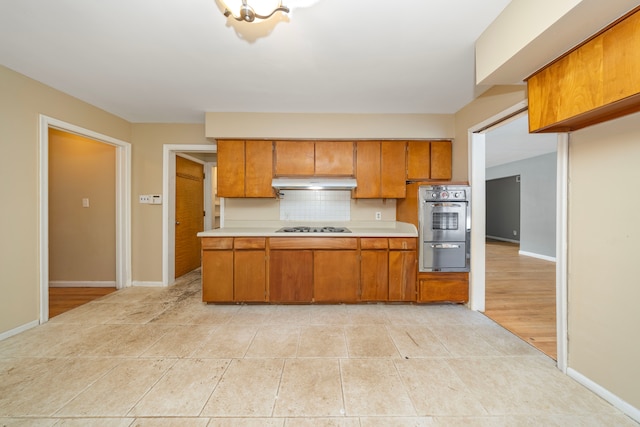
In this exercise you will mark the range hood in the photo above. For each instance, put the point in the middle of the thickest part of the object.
(314, 183)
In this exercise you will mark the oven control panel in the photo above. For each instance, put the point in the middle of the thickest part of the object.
(440, 193)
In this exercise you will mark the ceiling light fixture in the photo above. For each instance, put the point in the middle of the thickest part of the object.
(241, 11)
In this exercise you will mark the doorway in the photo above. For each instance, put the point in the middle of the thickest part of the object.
(189, 201)
(121, 180)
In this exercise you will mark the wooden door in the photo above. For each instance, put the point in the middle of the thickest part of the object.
(230, 168)
(374, 275)
(258, 169)
(217, 270)
(367, 169)
(295, 158)
(334, 158)
(441, 160)
(418, 160)
(336, 275)
(402, 275)
(393, 169)
(290, 276)
(189, 215)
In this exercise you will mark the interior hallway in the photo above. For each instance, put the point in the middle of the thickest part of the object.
(521, 294)
(158, 356)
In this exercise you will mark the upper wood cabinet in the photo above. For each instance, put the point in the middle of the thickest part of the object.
(595, 82)
(380, 169)
(429, 160)
(314, 158)
(245, 168)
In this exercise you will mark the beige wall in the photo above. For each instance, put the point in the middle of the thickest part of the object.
(604, 242)
(82, 240)
(21, 103)
(148, 140)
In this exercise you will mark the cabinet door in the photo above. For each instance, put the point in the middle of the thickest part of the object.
(336, 276)
(441, 160)
(295, 158)
(443, 287)
(249, 272)
(402, 275)
(291, 276)
(367, 169)
(418, 160)
(217, 275)
(230, 168)
(374, 276)
(393, 169)
(334, 158)
(259, 169)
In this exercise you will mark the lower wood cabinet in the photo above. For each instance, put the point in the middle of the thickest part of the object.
(443, 287)
(403, 265)
(291, 276)
(336, 276)
(217, 269)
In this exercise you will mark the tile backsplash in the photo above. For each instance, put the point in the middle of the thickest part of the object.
(315, 205)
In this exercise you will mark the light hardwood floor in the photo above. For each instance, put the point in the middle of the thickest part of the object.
(64, 299)
(521, 294)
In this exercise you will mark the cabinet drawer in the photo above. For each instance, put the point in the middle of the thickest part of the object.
(313, 243)
(217, 243)
(373, 243)
(443, 287)
(250, 242)
(402, 243)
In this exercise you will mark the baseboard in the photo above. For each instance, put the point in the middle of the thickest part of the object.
(534, 255)
(78, 284)
(147, 284)
(502, 239)
(19, 329)
(629, 410)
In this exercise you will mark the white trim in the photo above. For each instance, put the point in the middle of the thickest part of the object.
(209, 212)
(143, 284)
(19, 329)
(169, 206)
(477, 272)
(535, 255)
(82, 284)
(123, 205)
(630, 410)
(562, 229)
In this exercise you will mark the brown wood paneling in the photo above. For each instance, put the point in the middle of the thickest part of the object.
(189, 215)
(621, 62)
(374, 275)
(250, 270)
(334, 158)
(336, 276)
(393, 156)
(230, 168)
(295, 158)
(291, 276)
(259, 169)
(407, 208)
(217, 275)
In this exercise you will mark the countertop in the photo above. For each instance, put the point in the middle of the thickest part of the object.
(358, 229)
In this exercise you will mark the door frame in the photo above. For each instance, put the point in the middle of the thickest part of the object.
(477, 153)
(123, 204)
(169, 153)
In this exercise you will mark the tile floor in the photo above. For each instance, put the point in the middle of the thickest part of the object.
(159, 357)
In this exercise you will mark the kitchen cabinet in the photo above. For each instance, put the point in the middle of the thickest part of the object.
(443, 287)
(336, 276)
(217, 269)
(314, 158)
(380, 169)
(290, 275)
(403, 265)
(429, 160)
(250, 269)
(374, 269)
(245, 168)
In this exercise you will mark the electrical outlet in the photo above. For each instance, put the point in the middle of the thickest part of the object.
(515, 232)
(378, 216)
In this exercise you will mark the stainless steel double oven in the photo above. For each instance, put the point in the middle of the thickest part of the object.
(444, 227)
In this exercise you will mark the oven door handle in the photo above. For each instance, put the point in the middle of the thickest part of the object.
(445, 246)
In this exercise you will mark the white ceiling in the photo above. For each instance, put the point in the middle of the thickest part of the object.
(174, 60)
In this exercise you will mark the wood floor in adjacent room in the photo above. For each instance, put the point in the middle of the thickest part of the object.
(521, 295)
(64, 299)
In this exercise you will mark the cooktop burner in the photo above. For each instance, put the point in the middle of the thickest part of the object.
(305, 229)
